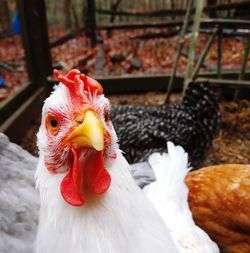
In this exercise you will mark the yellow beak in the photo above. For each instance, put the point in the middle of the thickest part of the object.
(89, 133)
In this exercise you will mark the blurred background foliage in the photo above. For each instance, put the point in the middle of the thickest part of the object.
(70, 14)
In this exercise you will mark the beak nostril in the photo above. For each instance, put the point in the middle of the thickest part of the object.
(80, 119)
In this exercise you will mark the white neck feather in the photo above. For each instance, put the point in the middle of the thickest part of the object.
(105, 223)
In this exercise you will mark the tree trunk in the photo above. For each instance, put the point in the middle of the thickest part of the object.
(67, 13)
(5, 20)
(75, 16)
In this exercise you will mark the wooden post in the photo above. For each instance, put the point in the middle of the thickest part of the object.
(245, 59)
(112, 18)
(204, 53)
(90, 22)
(35, 39)
(212, 13)
(219, 51)
(114, 8)
(179, 49)
(173, 7)
(75, 16)
(194, 39)
(243, 65)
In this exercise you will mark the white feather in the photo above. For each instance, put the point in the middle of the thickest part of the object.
(122, 220)
(169, 196)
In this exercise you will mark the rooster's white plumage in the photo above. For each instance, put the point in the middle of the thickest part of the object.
(89, 201)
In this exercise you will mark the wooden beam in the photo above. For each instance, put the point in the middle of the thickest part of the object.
(137, 13)
(67, 37)
(12, 102)
(133, 84)
(179, 50)
(21, 119)
(227, 33)
(226, 23)
(193, 43)
(204, 53)
(226, 83)
(141, 25)
(169, 33)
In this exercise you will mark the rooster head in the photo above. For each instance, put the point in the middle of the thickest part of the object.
(76, 136)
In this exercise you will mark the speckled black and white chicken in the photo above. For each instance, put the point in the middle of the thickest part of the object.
(192, 124)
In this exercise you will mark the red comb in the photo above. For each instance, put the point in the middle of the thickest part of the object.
(77, 82)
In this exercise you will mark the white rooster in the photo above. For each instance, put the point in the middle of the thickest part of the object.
(89, 201)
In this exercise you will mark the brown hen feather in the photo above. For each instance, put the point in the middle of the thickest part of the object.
(219, 198)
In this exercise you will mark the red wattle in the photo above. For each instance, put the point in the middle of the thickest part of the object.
(86, 175)
(98, 177)
(71, 186)
(69, 191)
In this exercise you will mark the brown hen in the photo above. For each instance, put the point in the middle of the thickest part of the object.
(219, 198)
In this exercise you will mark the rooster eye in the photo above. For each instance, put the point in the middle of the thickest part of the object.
(53, 123)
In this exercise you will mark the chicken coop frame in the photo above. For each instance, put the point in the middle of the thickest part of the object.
(23, 107)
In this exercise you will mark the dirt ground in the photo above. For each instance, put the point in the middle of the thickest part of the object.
(232, 144)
